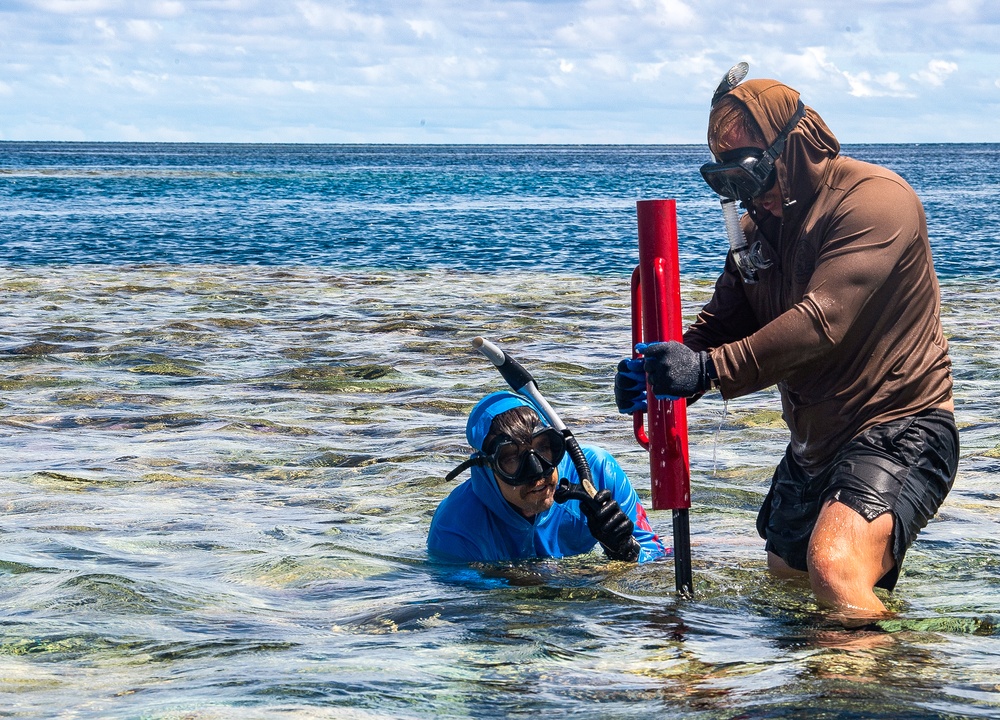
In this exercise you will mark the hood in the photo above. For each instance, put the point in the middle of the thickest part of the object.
(804, 163)
(481, 417)
(484, 485)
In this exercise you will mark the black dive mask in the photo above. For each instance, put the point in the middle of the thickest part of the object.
(746, 173)
(516, 466)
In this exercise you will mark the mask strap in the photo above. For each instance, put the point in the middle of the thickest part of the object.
(474, 461)
(774, 151)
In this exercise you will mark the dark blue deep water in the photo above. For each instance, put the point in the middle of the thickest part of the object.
(478, 208)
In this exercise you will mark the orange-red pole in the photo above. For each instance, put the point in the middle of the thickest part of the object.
(656, 317)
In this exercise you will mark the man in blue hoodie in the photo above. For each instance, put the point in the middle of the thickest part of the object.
(508, 509)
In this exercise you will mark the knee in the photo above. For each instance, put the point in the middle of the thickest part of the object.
(831, 566)
(847, 552)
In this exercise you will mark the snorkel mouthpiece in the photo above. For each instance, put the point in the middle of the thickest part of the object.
(748, 259)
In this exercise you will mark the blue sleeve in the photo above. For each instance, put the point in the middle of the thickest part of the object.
(447, 545)
(452, 536)
(609, 475)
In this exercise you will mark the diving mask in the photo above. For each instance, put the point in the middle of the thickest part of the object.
(516, 466)
(746, 173)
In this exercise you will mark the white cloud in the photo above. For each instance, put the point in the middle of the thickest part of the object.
(935, 73)
(194, 48)
(596, 28)
(963, 8)
(683, 68)
(422, 27)
(47, 130)
(142, 30)
(264, 87)
(57, 80)
(324, 17)
(166, 9)
(105, 29)
(610, 65)
(644, 66)
(133, 133)
(676, 13)
(865, 85)
(75, 7)
(146, 82)
(101, 76)
(648, 72)
(814, 64)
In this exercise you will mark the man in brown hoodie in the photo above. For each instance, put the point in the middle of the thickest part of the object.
(830, 293)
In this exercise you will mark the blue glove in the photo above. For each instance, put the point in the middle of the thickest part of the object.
(630, 386)
(675, 370)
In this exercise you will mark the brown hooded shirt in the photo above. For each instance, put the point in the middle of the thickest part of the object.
(846, 321)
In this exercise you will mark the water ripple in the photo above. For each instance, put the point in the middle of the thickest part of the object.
(244, 528)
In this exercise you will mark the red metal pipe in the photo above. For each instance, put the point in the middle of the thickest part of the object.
(656, 317)
(638, 424)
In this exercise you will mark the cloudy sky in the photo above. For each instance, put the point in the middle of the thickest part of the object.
(534, 71)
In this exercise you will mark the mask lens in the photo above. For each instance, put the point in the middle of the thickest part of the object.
(511, 461)
(746, 173)
(737, 175)
(548, 445)
(507, 458)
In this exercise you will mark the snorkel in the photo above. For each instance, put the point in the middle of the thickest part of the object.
(748, 259)
(742, 174)
(521, 382)
(746, 262)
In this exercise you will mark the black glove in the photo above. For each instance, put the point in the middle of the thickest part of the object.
(610, 526)
(676, 371)
(630, 386)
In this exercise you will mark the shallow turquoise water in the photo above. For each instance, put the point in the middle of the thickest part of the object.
(217, 481)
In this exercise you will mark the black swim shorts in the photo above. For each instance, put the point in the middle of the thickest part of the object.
(905, 467)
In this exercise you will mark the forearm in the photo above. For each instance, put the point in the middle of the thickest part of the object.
(790, 342)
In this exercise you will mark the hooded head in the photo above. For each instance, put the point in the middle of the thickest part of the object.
(802, 164)
(482, 415)
(533, 495)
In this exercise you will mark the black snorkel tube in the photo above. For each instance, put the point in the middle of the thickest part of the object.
(521, 382)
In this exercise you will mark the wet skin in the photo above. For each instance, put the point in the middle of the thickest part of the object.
(529, 500)
(847, 555)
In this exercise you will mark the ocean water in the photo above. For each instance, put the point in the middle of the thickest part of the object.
(232, 379)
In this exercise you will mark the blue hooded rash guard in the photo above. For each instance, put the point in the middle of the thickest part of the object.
(476, 524)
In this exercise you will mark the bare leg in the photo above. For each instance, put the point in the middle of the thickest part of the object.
(780, 569)
(847, 556)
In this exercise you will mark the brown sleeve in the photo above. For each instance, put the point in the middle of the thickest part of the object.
(726, 317)
(869, 230)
